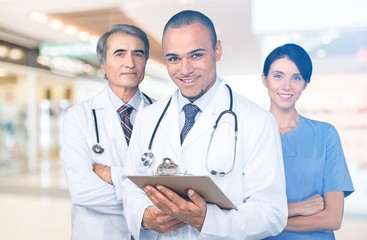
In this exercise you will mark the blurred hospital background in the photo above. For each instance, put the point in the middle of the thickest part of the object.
(48, 63)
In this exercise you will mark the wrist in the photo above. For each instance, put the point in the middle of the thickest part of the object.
(293, 210)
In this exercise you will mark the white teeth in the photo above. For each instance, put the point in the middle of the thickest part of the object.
(188, 81)
(285, 95)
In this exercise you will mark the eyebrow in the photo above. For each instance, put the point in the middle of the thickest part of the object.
(277, 71)
(139, 51)
(197, 50)
(124, 50)
(294, 74)
(171, 55)
(191, 52)
(119, 50)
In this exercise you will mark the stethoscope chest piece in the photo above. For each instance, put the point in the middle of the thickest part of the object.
(97, 148)
(147, 158)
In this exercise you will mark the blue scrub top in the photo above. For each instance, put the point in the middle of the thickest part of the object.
(314, 163)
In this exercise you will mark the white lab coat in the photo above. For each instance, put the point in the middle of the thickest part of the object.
(256, 184)
(96, 205)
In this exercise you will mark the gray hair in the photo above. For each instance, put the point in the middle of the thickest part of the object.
(121, 28)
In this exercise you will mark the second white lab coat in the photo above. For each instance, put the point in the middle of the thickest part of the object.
(96, 205)
(256, 184)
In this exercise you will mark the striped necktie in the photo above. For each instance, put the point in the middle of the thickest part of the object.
(124, 112)
(190, 113)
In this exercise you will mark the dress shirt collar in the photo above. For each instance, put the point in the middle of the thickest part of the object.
(201, 102)
(117, 102)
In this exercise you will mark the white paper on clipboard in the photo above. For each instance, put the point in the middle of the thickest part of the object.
(203, 185)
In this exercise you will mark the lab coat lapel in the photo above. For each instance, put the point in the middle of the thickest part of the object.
(170, 125)
(106, 115)
(206, 120)
(112, 123)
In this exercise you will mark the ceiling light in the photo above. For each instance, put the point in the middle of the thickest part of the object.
(16, 54)
(71, 30)
(321, 53)
(56, 24)
(83, 35)
(39, 17)
(326, 39)
(3, 51)
(87, 68)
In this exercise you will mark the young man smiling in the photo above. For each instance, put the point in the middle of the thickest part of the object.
(251, 174)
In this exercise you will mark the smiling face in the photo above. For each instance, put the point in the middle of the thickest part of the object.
(191, 59)
(285, 85)
(125, 63)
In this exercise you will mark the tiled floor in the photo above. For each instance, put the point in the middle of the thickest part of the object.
(36, 206)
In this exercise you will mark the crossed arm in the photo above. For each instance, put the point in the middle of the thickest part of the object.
(103, 172)
(316, 213)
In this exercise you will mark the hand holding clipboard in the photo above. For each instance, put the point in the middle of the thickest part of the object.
(168, 175)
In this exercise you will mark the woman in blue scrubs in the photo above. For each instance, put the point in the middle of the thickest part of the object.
(317, 175)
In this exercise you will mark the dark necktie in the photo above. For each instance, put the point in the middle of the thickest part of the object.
(190, 113)
(124, 111)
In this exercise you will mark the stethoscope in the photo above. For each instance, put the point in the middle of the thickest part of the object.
(148, 157)
(97, 148)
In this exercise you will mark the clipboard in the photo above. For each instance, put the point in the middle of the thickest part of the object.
(203, 185)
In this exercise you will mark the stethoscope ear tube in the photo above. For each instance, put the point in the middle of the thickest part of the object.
(148, 157)
(97, 148)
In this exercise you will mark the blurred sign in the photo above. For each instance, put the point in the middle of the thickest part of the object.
(71, 49)
(67, 65)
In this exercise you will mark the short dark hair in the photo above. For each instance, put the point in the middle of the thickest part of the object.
(188, 17)
(296, 54)
(121, 28)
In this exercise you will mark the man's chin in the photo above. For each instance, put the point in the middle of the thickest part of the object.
(192, 97)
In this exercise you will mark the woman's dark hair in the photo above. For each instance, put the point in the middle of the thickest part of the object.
(121, 28)
(294, 53)
(188, 17)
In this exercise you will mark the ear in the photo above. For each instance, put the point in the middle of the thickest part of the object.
(218, 50)
(104, 71)
(265, 80)
(102, 68)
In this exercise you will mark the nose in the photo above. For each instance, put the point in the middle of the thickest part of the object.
(129, 61)
(186, 67)
(287, 84)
